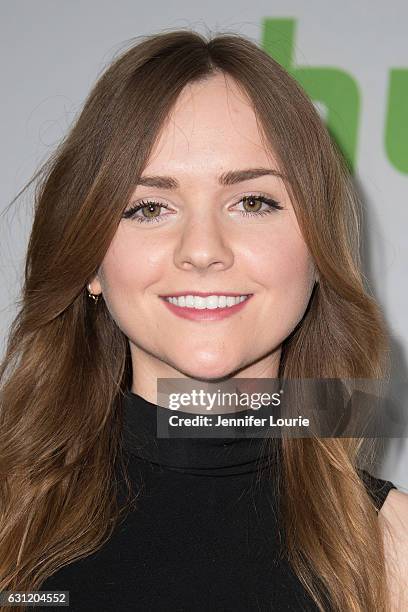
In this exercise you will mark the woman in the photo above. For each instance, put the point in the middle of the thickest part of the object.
(195, 166)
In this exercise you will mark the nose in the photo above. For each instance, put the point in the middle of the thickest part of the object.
(203, 242)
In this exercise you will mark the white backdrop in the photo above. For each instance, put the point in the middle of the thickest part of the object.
(53, 51)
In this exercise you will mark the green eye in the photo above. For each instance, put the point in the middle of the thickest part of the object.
(151, 206)
(144, 205)
(272, 204)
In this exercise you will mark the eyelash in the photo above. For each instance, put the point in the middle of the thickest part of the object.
(131, 212)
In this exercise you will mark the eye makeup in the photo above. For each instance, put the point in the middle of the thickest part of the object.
(131, 213)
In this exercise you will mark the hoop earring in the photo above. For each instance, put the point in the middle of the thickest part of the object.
(92, 295)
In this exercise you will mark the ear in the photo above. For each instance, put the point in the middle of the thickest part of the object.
(94, 284)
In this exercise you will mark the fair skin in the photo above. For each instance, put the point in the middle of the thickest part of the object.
(203, 242)
(394, 515)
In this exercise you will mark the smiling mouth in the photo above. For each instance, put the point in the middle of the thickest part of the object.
(202, 309)
(212, 302)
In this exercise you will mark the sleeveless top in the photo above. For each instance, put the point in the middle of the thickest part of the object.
(204, 534)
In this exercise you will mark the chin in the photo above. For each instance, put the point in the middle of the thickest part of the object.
(210, 372)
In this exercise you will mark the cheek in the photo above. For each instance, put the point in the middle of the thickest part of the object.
(127, 271)
(283, 266)
(130, 265)
(282, 259)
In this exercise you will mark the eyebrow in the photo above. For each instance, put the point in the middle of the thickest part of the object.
(226, 178)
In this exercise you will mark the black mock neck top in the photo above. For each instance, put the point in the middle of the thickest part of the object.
(204, 534)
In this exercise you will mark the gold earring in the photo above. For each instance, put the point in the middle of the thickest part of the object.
(91, 295)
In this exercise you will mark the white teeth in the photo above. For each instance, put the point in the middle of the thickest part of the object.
(210, 302)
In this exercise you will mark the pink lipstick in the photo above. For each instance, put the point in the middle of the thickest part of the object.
(205, 314)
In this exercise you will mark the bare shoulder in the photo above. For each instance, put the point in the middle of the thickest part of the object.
(394, 522)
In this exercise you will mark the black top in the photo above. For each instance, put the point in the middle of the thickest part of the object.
(204, 535)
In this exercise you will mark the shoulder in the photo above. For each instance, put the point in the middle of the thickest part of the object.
(393, 517)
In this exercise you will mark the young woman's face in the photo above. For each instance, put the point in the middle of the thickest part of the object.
(207, 240)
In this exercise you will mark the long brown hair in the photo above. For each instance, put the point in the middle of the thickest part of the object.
(67, 364)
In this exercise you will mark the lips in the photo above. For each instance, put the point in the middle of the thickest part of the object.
(203, 294)
(206, 314)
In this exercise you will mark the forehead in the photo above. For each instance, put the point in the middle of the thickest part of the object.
(212, 126)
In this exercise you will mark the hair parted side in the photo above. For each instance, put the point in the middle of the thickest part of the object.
(67, 365)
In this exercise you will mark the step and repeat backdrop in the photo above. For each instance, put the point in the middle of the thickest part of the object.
(351, 58)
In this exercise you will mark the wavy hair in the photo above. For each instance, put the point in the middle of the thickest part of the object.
(67, 364)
